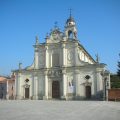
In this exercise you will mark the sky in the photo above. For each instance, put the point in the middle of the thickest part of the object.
(97, 21)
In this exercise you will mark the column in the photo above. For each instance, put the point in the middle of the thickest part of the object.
(104, 88)
(35, 88)
(75, 54)
(16, 86)
(64, 86)
(32, 87)
(18, 89)
(46, 87)
(76, 86)
(36, 58)
(63, 55)
(46, 57)
(7, 95)
(98, 81)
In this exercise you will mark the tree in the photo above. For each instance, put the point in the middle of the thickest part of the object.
(115, 81)
(118, 71)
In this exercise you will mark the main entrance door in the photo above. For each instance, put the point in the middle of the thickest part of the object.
(55, 89)
(27, 93)
(88, 92)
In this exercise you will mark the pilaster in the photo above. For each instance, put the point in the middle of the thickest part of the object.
(63, 55)
(35, 96)
(46, 86)
(75, 53)
(36, 58)
(46, 56)
(64, 85)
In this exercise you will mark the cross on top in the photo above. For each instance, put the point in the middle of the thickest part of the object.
(70, 12)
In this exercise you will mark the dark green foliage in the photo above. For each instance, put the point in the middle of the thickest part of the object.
(115, 81)
(118, 71)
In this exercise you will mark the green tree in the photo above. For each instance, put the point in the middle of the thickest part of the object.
(115, 81)
(118, 70)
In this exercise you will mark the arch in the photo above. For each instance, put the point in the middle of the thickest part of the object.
(70, 34)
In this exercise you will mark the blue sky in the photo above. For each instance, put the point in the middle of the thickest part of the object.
(98, 24)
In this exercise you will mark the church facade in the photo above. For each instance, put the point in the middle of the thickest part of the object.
(62, 69)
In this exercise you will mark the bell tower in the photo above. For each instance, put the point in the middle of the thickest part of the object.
(70, 28)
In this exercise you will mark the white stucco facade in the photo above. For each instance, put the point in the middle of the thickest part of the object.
(62, 69)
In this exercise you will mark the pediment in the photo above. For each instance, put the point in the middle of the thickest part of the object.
(55, 36)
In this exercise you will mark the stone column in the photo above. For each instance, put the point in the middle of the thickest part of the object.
(63, 55)
(64, 85)
(31, 93)
(7, 95)
(104, 88)
(46, 87)
(16, 86)
(98, 81)
(75, 53)
(76, 84)
(36, 58)
(46, 57)
(32, 87)
(35, 88)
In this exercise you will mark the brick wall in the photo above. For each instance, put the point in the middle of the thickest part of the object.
(114, 94)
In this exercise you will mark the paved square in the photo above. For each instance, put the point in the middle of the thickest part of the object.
(59, 110)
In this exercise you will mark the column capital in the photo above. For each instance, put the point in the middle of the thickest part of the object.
(63, 45)
(45, 72)
(46, 47)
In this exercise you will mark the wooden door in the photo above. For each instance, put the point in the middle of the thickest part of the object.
(55, 89)
(88, 92)
(27, 93)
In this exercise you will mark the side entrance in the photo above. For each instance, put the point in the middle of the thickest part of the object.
(27, 93)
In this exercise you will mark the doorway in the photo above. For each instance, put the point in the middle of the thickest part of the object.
(27, 93)
(55, 89)
(88, 92)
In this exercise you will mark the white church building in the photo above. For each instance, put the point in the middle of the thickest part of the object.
(62, 69)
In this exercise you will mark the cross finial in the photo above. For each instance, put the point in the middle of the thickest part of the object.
(97, 58)
(37, 39)
(70, 12)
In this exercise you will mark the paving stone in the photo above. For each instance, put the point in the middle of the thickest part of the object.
(59, 110)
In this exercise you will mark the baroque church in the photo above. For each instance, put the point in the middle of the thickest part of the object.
(62, 69)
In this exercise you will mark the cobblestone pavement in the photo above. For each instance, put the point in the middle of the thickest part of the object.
(59, 110)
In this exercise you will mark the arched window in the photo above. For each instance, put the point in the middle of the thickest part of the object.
(70, 34)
